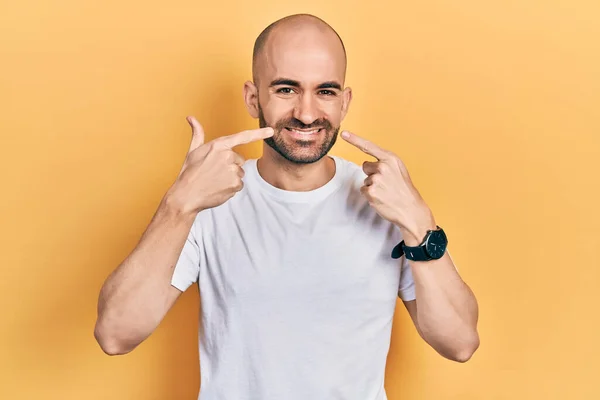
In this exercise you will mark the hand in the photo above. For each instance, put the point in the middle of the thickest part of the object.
(390, 191)
(212, 172)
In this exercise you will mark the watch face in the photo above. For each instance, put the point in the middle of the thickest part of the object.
(436, 244)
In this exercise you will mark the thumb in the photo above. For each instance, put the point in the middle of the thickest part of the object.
(197, 133)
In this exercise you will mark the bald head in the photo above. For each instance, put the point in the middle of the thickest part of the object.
(296, 30)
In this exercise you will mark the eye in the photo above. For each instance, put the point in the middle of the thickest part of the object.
(327, 92)
(285, 90)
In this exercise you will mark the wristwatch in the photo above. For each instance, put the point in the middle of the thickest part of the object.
(432, 247)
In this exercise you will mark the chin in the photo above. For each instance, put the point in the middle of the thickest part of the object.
(305, 158)
(301, 156)
(299, 152)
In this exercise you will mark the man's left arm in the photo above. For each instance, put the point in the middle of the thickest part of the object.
(445, 311)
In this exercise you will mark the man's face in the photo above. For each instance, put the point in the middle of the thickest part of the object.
(300, 95)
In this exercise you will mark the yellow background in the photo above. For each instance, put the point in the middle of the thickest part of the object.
(493, 106)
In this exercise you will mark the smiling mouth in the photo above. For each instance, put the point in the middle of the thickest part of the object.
(304, 132)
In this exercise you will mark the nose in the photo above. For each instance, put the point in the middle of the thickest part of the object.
(306, 109)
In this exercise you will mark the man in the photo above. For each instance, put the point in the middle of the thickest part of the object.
(292, 252)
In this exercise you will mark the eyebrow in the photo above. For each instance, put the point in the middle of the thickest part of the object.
(293, 83)
(286, 82)
(330, 85)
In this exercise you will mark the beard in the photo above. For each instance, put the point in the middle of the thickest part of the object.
(299, 151)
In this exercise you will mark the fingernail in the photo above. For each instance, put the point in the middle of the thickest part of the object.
(345, 134)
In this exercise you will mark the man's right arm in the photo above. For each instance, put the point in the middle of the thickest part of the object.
(138, 294)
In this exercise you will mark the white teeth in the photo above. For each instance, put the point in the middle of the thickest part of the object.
(306, 132)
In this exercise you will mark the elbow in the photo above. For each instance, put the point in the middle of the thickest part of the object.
(466, 351)
(110, 343)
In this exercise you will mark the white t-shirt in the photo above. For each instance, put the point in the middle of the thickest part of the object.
(298, 291)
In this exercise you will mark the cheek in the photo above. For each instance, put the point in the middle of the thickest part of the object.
(277, 109)
(332, 111)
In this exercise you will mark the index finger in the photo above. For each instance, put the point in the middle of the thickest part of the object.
(246, 137)
(365, 145)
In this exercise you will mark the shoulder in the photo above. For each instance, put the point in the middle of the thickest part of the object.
(352, 172)
(249, 164)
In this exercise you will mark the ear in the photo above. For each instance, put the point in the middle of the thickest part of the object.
(251, 98)
(346, 99)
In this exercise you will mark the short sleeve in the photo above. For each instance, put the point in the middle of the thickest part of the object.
(406, 288)
(187, 268)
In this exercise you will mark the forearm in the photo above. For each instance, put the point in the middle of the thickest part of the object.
(447, 311)
(137, 295)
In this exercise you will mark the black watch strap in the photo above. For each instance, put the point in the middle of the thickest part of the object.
(412, 253)
(398, 251)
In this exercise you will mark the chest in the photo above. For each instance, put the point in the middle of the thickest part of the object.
(300, 253)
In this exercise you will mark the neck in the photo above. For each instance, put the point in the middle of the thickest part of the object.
(286, 175)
